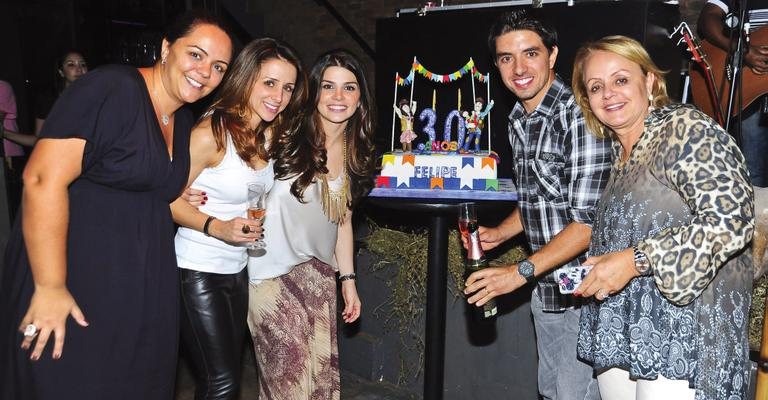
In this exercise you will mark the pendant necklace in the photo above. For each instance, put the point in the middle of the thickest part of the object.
(165, 119)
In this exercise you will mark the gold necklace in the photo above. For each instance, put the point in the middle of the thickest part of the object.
(335, 202)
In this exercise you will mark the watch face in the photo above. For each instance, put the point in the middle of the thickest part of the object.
(525, 268)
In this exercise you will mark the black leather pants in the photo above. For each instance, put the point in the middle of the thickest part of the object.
(214, 309)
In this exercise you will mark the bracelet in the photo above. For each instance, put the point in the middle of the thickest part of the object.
(207, 225)
(347, 277)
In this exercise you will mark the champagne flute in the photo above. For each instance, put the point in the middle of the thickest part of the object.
(256, 210)
(467, 216)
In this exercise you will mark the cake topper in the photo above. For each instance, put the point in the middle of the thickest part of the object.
(473, 121)
(405, 113)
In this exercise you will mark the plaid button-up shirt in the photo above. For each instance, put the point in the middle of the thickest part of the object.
(560, 168)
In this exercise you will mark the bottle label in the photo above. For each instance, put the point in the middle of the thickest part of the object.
(489, 309)
(475, 250)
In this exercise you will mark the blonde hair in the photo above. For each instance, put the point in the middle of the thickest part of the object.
(625, 47)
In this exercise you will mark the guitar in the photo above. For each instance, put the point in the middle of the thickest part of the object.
(752, 86)
(698, 56)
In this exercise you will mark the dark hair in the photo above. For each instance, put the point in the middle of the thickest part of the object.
(519, 21)
(230, 106)
(187, 22)
(303, 153)
(60, 81)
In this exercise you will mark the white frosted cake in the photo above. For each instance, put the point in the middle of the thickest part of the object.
(470, 171)
(454, 161)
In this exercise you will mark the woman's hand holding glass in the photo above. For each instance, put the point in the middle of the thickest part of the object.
(256, 211)
(236, 230)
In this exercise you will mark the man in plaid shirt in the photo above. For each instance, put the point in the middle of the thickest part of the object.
(560, 168)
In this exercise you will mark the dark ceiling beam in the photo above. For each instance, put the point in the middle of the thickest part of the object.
(348, 27)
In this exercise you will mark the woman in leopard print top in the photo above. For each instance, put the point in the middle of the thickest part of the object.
(670, 275)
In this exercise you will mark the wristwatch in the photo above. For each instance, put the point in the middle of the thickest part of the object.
(525, 269)
(642, 265)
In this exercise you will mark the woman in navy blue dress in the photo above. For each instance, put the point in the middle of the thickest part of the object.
(89, 290)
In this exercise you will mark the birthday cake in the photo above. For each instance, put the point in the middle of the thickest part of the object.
(438, 171)
(445, 164)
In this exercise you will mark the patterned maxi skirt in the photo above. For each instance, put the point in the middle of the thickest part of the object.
(292, 319)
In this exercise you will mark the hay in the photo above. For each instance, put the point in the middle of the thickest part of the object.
(403, 267)
(759, 292)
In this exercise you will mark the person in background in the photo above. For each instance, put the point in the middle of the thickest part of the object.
(89, 285)
(9, 129)
(560, 169)
(754, 129)
(670, 272)
(70, 66)
(322, 171)
(13, 140)
(229, 149)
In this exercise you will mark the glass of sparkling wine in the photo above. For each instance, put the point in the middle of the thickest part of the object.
(467, 215)
(256, 210)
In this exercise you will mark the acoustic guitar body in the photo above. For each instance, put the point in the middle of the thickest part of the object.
(753, 85)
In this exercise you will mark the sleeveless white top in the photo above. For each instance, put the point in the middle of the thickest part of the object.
(226, 186)
(294, 232)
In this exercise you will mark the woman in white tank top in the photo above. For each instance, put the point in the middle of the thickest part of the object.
(262, 92)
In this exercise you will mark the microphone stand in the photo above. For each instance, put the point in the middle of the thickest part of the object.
(737, 63)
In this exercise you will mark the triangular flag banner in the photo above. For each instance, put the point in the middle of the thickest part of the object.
(468, 68)
(436, 183)
(488, 162)
(409, 159)
(388, 159)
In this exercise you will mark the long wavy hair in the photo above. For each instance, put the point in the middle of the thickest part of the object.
(229, 110)
(302, 153)
(625, 47)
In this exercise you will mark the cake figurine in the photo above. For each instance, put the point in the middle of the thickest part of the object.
(405, 113)
(474, 123)
(448, 162)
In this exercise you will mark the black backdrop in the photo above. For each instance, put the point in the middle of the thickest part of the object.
(444, 41)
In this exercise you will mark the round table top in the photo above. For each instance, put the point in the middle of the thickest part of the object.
(436, 206)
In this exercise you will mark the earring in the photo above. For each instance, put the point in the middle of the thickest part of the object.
(242, 113)
(162, 61)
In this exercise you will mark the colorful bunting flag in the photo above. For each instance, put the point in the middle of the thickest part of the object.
(468, 68)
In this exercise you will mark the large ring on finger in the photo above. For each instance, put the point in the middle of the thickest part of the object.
(246, 229)
(30, 331)
(602, 294)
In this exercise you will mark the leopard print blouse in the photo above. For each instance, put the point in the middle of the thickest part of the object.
(701, 162)
(684, 198)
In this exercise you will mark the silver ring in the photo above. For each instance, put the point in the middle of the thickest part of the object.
(602, 294)
(30, 331)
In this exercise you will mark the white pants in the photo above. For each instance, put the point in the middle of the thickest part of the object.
(615, 384)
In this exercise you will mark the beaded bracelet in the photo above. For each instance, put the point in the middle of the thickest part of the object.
(347, 277)
(207, 225)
